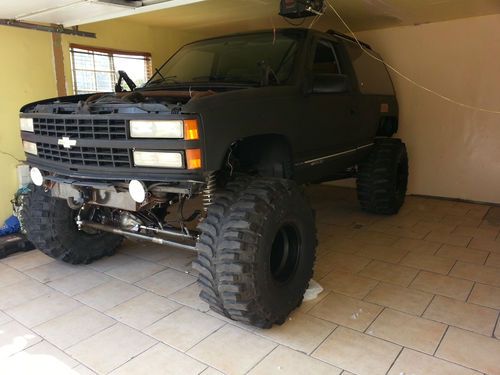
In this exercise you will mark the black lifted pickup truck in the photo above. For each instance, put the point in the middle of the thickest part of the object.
(239, 122)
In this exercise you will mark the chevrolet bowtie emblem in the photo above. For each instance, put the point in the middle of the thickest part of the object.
(66, 142)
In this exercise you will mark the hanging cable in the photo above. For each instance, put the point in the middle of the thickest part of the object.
(405, 77)
(315, 20)
(10, 155)
(274, 30)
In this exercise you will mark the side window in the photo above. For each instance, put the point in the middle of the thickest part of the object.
(325, 59)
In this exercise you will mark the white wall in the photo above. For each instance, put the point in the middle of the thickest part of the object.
(454, 152)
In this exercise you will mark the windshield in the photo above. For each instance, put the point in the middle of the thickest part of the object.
(246, 59)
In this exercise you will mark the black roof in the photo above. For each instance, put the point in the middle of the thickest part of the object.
(298, 30)
(348, 37)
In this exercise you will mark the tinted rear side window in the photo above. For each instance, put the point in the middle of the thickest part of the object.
(325, 59)
(372, 75)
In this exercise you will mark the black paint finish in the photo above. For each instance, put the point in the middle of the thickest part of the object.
(325, 132)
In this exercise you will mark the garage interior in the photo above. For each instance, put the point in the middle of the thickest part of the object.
(413, 293)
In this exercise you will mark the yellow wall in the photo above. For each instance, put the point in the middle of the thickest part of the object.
(27, 74)
(454, 152)
(128, 36)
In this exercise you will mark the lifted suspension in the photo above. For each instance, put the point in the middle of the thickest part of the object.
(143, 237)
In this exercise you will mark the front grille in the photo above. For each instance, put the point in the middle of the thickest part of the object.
(86, 156)
(81, 128)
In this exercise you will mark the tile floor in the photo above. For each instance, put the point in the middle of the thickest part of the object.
(416, 293)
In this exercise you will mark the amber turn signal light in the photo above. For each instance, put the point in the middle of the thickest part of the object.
(193, 158)
(191, 132)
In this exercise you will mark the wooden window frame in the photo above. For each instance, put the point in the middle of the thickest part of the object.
(111, 53)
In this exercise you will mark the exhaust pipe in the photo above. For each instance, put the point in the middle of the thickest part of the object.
(137, 236)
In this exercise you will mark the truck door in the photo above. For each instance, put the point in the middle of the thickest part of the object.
(328, 143)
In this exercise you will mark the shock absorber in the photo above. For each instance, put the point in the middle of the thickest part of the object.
(209, 191)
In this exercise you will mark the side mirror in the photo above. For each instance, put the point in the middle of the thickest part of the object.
(330, 83)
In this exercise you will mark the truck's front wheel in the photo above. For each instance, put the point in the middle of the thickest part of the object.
(50, 225)
(257, 250)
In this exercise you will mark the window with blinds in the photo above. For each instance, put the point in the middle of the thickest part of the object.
(96, 69)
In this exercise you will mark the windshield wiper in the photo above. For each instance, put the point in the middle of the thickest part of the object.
(163, 80)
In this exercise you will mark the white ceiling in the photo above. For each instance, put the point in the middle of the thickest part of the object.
(13, 9)
(79, 12)
(220, 16)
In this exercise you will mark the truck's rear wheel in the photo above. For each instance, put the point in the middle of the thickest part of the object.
(257, 250)
(383, 177)
(51, 227)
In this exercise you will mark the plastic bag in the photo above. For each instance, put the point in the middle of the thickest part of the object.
(313, 291)
(11, 226)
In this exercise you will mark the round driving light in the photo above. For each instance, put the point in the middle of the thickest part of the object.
(137, 191)
(36, 176)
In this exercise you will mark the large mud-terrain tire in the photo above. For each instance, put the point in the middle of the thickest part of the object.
(50, 225)
(383, 177)
(257, 250)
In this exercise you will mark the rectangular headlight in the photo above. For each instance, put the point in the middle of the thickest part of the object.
(30, 148)
(26, 124)
(156, 129)
(158, 159)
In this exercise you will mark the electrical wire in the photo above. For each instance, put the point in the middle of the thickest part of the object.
(274, 30)
(405, 77)
(314, 20)
(12, 156)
